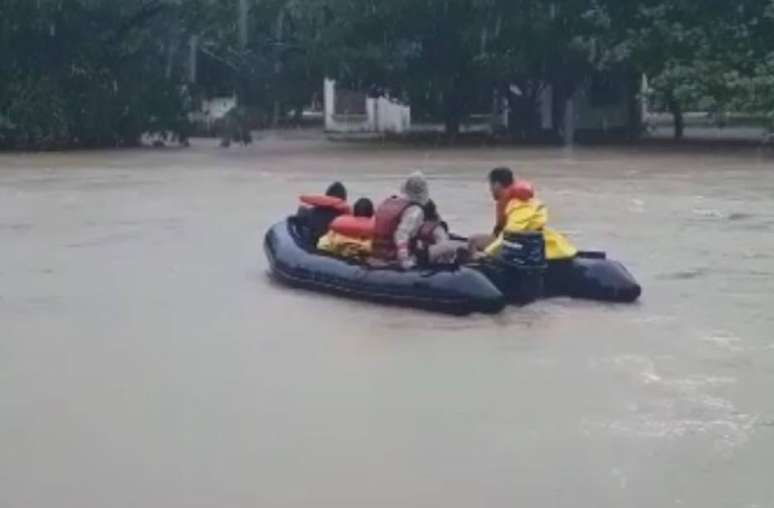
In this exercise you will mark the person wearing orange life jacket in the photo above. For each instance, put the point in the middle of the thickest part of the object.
(351, 236)
(403, 233)
(519, 211)
(316, 213)
(397, 223)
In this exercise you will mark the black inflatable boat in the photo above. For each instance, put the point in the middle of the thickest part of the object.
(455, 290)
(460, 290)
(591, 276)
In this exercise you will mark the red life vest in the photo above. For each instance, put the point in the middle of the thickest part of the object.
(386, 222)
(354, 227)
(331, 202)
(521, 190)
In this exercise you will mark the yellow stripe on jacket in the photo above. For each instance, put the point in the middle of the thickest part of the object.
(344, 246)
(532, 216)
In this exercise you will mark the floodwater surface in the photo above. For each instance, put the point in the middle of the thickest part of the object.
(147, 360)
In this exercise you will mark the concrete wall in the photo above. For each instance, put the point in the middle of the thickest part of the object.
(340, 123)
(382, 115)
(386, 115)
(213, 110)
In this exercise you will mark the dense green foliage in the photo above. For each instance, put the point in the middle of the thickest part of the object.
(103, 72)
(89, 73)
(711, 56)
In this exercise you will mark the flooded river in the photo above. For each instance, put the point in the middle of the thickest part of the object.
(146, 360)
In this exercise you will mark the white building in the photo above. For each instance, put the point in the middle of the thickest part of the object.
(350, 112)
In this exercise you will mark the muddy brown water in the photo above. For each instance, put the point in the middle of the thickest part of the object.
(146, 359)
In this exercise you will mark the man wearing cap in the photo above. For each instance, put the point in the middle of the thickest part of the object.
(398, 221)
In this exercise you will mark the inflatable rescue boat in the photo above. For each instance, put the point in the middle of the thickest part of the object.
(591, 276)
(454, 290)
(474, 288)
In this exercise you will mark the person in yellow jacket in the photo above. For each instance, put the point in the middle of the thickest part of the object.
(519, 211)
(351, 236)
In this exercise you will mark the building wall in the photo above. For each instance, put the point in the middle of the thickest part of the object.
(336, 122)
(386, 115)
(362, 114)
(213, 110)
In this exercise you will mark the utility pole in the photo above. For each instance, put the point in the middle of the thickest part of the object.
(278, 34)
(243, 131)
(193, 58)
(569, 121)
(243, 9)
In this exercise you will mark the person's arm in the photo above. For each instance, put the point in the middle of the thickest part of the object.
(440, 235)
(407, 230)
(518, 220)
(493, 247)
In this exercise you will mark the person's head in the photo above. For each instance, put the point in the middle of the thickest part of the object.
(431, 211)
(337, 190)
(499, 180)
(363, 208)
(415, 189)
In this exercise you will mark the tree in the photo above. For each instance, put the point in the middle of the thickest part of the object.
(703, 55)
(424, 49)
(535, 44)
(87, 73)
(449, 56)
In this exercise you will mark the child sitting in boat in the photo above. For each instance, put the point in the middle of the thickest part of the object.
(318, 212)
(433, 243)
(351, 236)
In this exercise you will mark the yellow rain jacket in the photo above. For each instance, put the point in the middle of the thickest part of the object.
(532, 215)
(344, 246)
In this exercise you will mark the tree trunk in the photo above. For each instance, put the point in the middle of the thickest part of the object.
(452, 114)
(677, 114)
(452, 126)
(298, 115)
(243, 10)
(534, 115)
(635, 106)
(276, 114)
(569, 121)
(193, 59)
(563, 116)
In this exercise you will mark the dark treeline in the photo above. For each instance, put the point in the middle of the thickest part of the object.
(103, 72)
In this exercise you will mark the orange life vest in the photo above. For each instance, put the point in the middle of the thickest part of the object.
(331, 202)
(354, 227)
